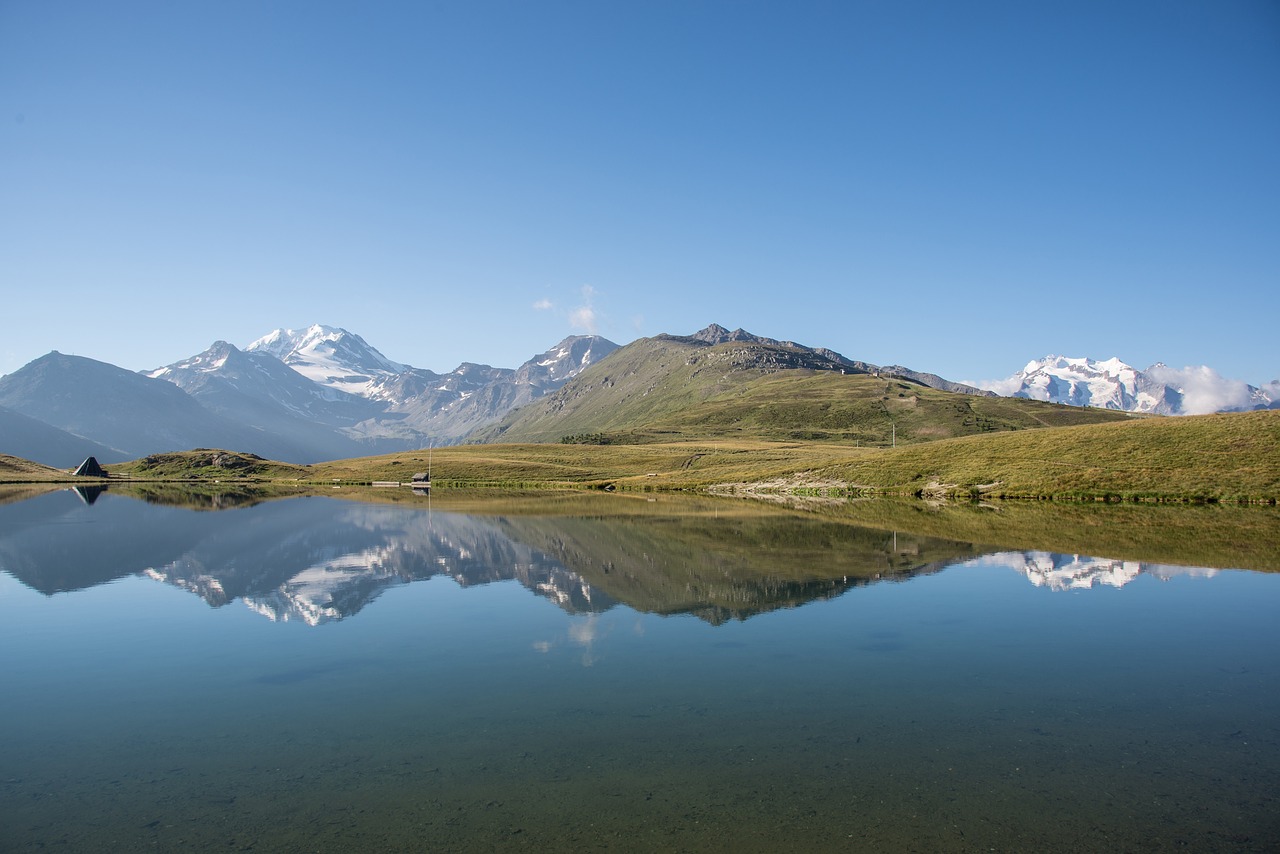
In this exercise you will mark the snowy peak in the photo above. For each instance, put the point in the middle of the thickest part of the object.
(332, 357)
(564, 361)
(1112, 384)
(213, 360)
(1082, 367)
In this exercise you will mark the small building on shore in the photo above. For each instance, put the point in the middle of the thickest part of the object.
(90, 468)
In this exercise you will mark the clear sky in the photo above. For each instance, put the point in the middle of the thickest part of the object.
(958, 187)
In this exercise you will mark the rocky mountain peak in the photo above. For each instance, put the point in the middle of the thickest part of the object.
(717, 334)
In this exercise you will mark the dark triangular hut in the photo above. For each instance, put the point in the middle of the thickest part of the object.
(90, 468)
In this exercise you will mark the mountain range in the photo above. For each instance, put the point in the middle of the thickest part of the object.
(303, 396)
(1112, 384)
(324, 393)
(320, 393)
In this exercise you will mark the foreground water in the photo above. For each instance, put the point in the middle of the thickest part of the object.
(624, 674)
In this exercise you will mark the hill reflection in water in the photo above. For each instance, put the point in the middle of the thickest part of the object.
(317, 559)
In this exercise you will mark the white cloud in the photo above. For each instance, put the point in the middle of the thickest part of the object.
(1203, 389)
(1004, 387)
(585, 316)
(543, 305)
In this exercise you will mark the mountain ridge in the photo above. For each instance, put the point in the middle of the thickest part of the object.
(734, 384)
(335, 397)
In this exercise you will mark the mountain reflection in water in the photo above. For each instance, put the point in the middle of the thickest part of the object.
(320, 559)
(1080, 572)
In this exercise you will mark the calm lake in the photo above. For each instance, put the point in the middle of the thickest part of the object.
(316, 673)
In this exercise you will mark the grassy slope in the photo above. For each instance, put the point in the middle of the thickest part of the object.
(678, 465)
(1230, 456)
(659, 389)
(18, 470)
(863, 410)
(207, 464)
(1235, 456)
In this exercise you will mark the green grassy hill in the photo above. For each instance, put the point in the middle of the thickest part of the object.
(1227, 456)
(208, 464)
(1220, 457)
(659, 389)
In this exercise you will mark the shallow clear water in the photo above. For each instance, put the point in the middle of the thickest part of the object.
(321, 675)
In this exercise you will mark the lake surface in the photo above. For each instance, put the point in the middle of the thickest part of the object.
(620, 673)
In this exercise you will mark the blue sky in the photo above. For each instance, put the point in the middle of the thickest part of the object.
(958, 187)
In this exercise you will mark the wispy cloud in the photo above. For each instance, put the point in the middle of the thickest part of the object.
(585, 316)
(1005, 387)
(543, 305)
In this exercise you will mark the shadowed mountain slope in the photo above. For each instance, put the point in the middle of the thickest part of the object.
(32, 439)
(123, 410)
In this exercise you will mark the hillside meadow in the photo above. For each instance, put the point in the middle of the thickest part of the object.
(654, 390)
(1229, 457)
(1233, 457)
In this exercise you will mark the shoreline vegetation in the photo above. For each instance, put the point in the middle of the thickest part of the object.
(1225, 458)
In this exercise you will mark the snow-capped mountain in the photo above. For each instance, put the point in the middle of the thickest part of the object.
(331, 357)
(345, 362)
(1112, 384)
(564, 361)
(257, 389)
(451, 405)
(224, 370)
(336, 381)
(320, 393)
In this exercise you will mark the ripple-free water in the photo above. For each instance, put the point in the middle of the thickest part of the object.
(321, 675)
